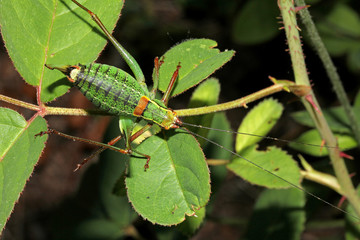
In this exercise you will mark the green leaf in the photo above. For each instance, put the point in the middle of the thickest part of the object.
(256, 22)
(345, 142)
(357, 100)
(177, 182)
(258, 121)
(20, 151)
(206, 94)
(100, 207)
(198, 59)
(352, 224)
(56, 33)
(98, 229)
(335, 117)
(353, 61)
(340, 30)
(192, 223)
(112, 171)
(278, 214)
(273, 160)
(225, 139)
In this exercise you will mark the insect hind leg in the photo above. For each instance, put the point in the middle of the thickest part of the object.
(102, 146)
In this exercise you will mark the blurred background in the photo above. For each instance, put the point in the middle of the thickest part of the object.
(148, 28)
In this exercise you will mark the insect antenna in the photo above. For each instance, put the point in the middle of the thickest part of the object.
(258, 136)
(260, 167)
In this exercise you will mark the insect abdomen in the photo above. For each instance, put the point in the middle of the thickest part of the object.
(109, 88)
(114, 91)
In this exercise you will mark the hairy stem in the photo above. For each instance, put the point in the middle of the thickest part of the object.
(53, 110)
(241, 102)
(19, 103)
(301, 77)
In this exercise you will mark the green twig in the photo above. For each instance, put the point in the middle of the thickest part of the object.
(241, 102)
(53, 110)
(288, 13)
(19, 103)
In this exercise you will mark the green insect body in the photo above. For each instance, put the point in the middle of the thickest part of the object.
(114, 91)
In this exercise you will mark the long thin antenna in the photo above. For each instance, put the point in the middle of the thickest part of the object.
(273, 174)
(255, 135)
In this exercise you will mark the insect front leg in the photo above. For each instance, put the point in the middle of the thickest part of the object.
(175, 76)
(156, 76)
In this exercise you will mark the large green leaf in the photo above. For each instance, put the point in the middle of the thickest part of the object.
(198, 59)
(177, 182)
(53, 32)
(20, 151)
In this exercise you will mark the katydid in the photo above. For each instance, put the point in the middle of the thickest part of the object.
(110, 90)
(119, 94)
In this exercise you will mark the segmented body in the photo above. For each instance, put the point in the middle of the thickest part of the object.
(113, 90)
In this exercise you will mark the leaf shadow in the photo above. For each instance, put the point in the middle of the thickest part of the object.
(95, 29)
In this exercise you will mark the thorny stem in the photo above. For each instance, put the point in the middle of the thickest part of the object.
(333, 75)
(301, 77)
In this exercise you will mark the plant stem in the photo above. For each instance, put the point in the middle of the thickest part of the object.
(241, 102)
(73, 111)
(301, 77)
(19, 103)
(333, 75)
(53, 110)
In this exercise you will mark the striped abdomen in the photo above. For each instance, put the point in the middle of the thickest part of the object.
(109, 88)
(113, 90)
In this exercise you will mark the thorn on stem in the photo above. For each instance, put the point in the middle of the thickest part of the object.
(310, 99)
(297, 9)
(347, 156)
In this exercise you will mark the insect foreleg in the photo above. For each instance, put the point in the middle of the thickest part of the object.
(156, 76)
(174, 77)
